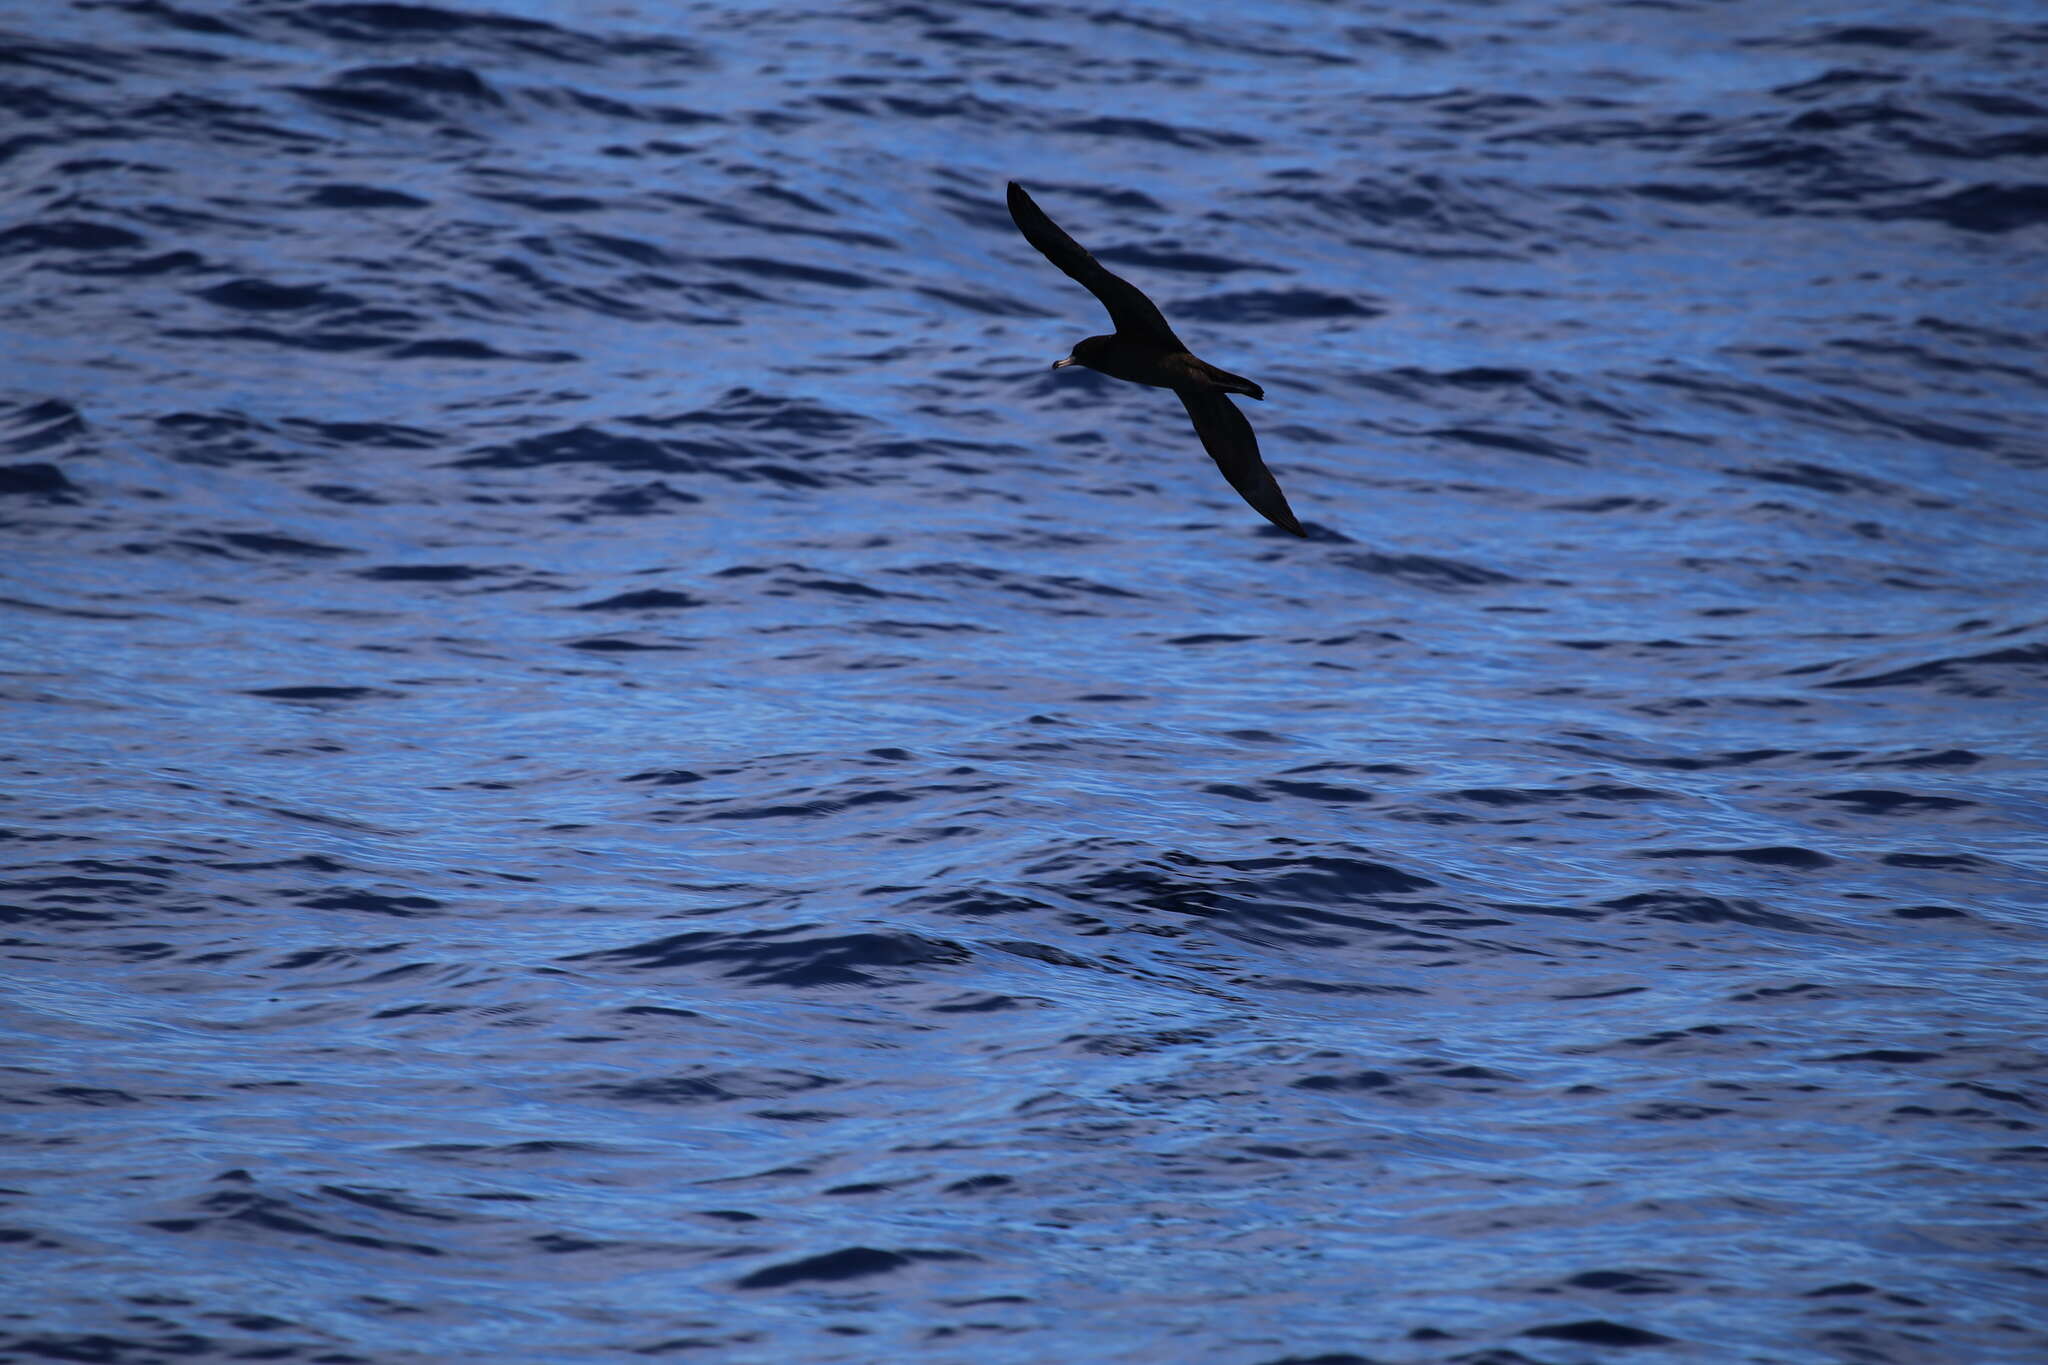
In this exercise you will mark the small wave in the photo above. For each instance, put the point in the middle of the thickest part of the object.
(1976, 675)
(241, 1211)
(1988, 208)
(1275, 305)
(426, 573)
(1152, 130)
(67, 234)
(774, 268)
(1687, 907)
(1520, 442)
(37, 479)
(1819, 478)
(1789, 856)
(39, 426)
(645, 599)
(1423, 571)
(343, 195)
(363, 902)
(324, 692)
(265, 296)
(796, 957)
(707, 1085)
(847, 1263)
(620, 644)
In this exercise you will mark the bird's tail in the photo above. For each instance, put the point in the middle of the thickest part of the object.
(1226, 381)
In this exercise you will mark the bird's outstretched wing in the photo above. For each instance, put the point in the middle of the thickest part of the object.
(1228, 438)
(1132, 314)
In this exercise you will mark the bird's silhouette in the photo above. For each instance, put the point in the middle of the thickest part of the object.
(1144, 350)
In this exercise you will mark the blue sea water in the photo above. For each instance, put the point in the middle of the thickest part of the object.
(602, 763)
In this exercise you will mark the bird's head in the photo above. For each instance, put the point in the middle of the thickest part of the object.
(1086, 351)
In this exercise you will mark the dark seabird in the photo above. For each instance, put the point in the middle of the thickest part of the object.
(1145, 351)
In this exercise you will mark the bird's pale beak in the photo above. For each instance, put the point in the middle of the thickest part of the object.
(1062, 364)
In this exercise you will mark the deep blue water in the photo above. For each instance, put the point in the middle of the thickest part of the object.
(602, 763)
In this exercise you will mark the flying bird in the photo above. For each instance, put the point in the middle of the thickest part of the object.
(1144, 350)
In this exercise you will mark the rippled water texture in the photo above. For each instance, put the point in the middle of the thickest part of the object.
(602, 763)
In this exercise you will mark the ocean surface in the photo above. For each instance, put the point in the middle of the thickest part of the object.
(601, 763)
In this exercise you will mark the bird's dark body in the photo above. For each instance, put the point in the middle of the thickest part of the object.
(1144, 350)
(1140, 363)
